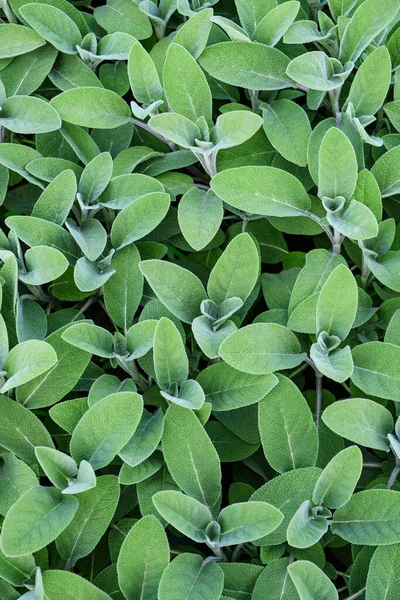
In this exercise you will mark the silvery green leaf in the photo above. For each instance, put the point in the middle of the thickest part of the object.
(317, 71)
(307, 526)
(88, 276)
(370, 18)
(53, 25)
(232, 29)
(307, 577)
(276, 22)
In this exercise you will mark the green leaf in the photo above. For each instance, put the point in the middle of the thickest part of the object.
(16, 570)
(185, 444)
(185, 85)
(190, 577)
(145, 439)
(131, 475)
(27, 361)
(315, 70)
(371, 83)
(262, 190)
(308, 578)
(57, 199)
(386, 170)
(276, 22)
(193, 35)
(53, 385)
(17, 39)
(125, 16)
(262, 348)
(359, 420)
(236, 272)
(187, 515)
(336, 315)
(95, 177)
(370, 518)
(23, 114)
(286, 492)
(177, 128)
(247, 521)
(376, 369)
(58, 467)
(139, 567)
(90, 338)
(15, 479)
(143, 77)
(370, 18)
(106, 428)
(43, 264)
(178, 289)
(246, 64)
(139, 218)
(53, 25)
(39, 232)
(233, 128)
(200, 215)
(123, 291)
(337, 173)
(288, 129)
(91, 107)
(170, 359)
(288, 434)
(307, 526)
(25, 530)
(338, 480)
(228, 389)
(68, 586)
(383, 576)
(91, 520)
(275, 582)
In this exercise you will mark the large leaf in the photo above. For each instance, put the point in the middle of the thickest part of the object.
(96, 509)
(360, 420)
(91, 107)
(370, 518)
(105, 428)
(262, 348)
(262, 190)
(376, 369)
(25, 530)
(185, 443)
(177, 288)
(288, 434)
(246, 64)
(139, 566)
(188, 576)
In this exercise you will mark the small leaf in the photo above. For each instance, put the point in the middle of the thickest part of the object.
(247, 521)
(339, 478)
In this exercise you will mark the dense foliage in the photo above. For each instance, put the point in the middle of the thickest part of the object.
(200, 300)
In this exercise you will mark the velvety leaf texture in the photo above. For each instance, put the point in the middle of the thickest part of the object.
(199, 300)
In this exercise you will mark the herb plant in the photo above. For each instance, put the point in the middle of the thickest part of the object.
(200, 300)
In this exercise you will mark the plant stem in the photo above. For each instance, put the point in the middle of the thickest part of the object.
(393, 476)
(236, 552)
(337, 242)
(356, 595)
(318, 400)
(299, 370)
(219, 554)
(365, 272)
